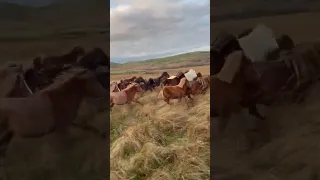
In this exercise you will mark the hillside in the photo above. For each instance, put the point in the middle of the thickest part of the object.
(172, 62)
(54, 21)
(27, 31)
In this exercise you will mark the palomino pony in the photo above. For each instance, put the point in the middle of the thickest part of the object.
(125, 96)
(52, 109)
(114, 87)
(228, 86)
(12, 82)
(174, 92)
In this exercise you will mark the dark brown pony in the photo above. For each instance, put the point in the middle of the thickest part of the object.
(161, 78)
(227, 95)
(59, 61)
(50, 110)
(180, 75)
(130, 79)
(125, 96)
(199, 74)
(224, 44)
(123, 84)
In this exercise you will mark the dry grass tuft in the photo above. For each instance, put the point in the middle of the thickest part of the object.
(160, 141)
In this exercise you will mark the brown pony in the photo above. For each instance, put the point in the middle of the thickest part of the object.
(130, 79)
(52, 109)
(173, 80)
(175, 92)
(229, 85)
(199, 74)
(125, 96)
(200, 85)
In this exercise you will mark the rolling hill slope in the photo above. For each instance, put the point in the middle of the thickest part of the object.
(197, 58)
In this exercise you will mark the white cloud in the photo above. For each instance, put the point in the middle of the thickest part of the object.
(152, 28)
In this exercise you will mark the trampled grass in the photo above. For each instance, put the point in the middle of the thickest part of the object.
(157, 141)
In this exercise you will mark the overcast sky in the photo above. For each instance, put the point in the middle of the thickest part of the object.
(143, 29)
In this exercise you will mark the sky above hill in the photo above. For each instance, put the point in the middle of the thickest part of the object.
(144, 29)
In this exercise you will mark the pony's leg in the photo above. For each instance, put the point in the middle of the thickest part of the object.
(137, 101)
(245, 135)
(6, 138)
(91, 129)
(167, 101)
(189, 96)
(262, 125)
(253, 110)
(185, 98)
(222, 124)
(111, 106)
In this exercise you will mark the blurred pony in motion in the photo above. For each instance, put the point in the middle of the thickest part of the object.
(125, 96)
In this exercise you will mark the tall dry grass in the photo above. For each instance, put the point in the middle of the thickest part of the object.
(157, 141)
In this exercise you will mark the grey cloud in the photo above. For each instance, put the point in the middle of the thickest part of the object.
(158, 27)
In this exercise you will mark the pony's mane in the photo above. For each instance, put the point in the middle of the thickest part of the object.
(63, 78)
(182, 82)
(231, 67)
(130, 86)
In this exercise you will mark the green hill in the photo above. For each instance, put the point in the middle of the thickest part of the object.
(63, 19)
(28, 31)
(197, 58)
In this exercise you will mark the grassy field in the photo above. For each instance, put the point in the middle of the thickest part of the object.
(27, 32)
(157, 141)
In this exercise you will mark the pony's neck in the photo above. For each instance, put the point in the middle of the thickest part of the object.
(65, 103)
(182, 84)
(130, 92)
(239, 81)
